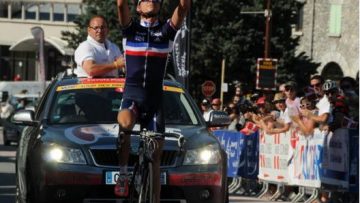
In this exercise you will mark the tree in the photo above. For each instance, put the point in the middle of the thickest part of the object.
(220, 31)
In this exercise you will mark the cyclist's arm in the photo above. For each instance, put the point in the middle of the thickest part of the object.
(123, 12)
(180, 13)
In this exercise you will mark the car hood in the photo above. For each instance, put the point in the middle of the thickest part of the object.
(95, 135)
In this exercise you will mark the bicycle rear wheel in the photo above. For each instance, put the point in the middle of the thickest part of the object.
(146, 191)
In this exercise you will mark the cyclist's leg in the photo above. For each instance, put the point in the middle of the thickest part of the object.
(126, 119)
(157, 124)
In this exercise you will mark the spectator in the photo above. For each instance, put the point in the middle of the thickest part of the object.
(233, 113)
(263, 118)
(305, 124)
(17, 77)
(348, 86)
(283, 122)
(323, 104)
(216, 104)
(292, 101)
(21, 104)
(6, 108)
(240, 98)
(337, 102)
(206, 109)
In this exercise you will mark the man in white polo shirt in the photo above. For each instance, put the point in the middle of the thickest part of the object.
(97, 56)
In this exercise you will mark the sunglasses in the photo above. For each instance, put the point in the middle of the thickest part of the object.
(279, 101)
(316, 85)
(288, 88)
(154, 1)
(215, 104)
(98, 28)
(303, 106)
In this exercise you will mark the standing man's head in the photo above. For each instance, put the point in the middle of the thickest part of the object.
(148, 8)
(239, 90)
(98, 28)
(216, 104)
(316, 82)
(205, 105)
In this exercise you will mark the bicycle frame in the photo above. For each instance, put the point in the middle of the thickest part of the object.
(142, 177)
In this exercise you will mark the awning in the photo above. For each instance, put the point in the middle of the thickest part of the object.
(28, 44)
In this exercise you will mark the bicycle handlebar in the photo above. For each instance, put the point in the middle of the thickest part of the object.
(179, 136)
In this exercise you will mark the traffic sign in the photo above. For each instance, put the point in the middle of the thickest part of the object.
(208, 88)
(266, 74)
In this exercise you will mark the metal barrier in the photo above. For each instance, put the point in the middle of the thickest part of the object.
(322, 161)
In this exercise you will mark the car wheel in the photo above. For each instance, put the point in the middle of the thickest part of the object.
(6, 142)
(36, 194)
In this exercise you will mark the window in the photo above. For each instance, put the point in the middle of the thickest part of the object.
(73, 11)
(30, 11)
(335, 20)
(16, 10)
(299, 17)
(3, 10)
(59, 12)
(44, 11)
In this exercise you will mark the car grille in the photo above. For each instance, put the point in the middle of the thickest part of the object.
(124, 201)
(109, 157)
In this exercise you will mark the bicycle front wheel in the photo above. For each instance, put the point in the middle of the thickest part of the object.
(146, 191)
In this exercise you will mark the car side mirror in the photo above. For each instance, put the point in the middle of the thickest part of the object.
(218, 119)
(24, 117)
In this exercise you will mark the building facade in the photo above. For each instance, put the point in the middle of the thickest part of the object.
(18, 49)
(329, 34)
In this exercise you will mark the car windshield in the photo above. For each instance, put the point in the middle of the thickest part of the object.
(101, 105)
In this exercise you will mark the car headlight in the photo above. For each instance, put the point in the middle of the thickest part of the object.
(59, 154)
(209, 154)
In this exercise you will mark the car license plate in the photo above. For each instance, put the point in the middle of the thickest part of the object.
(112, 176)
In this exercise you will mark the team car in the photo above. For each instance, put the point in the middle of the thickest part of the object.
(67, 151)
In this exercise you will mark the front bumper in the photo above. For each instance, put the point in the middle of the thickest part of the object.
(80, 183)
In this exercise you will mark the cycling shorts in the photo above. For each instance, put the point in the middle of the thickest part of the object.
(146, 104)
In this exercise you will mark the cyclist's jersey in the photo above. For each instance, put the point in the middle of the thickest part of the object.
(146, 49)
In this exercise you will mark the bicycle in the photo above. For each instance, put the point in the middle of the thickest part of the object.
(140, 187)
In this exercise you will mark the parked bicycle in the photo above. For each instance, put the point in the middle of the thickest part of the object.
(140, 188)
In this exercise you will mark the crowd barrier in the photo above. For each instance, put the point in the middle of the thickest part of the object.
(242, 151)
(322, 160)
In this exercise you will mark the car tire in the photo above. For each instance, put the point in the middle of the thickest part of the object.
(36, 194)
(6, 142)
(17, 193)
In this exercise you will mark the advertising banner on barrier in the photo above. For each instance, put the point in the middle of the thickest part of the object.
(341, 156)
(242, 152)
(249, 167)
(335, 165)
(274, 156)
(305, 165)
(234, 146)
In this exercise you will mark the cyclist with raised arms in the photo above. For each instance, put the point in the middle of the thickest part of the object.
(146, 45)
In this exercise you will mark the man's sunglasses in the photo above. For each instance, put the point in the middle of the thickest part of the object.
(316, 85)
(288, 88)
(98, 28)
(155, 1)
